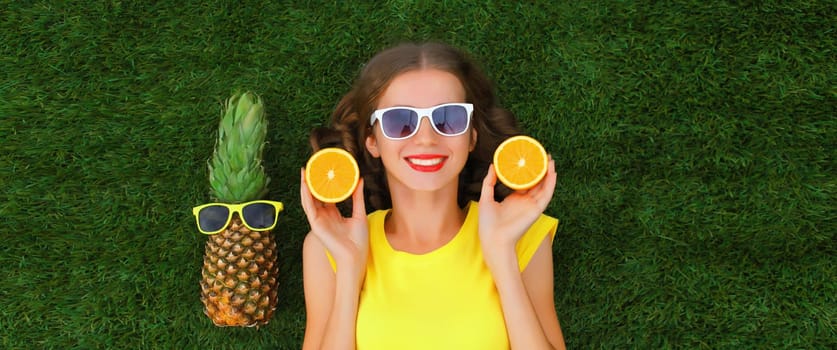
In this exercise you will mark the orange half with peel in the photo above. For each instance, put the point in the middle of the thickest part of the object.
(332, 175)
(520, 162)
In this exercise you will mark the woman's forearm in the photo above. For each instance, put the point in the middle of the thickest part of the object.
(522, 322)
(341, 325)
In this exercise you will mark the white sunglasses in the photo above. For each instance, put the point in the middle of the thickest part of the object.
(449, 119)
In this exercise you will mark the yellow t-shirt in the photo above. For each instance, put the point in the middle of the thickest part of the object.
(444, 299)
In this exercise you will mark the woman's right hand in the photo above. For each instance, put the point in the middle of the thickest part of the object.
(346, 239)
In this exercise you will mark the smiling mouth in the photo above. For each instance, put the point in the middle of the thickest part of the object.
(426, 163)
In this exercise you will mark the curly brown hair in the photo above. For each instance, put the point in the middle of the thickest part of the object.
(350, 127)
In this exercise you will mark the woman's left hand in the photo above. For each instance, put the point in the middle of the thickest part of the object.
(501, 224)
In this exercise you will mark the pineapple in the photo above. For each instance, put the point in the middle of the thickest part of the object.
(239, 275)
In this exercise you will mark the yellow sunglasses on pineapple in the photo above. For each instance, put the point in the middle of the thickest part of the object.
(213, 218)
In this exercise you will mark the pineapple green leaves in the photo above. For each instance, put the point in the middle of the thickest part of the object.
(236, 172)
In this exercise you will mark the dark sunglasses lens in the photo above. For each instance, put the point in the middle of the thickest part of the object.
(450, 120)
(213, 218)
(259, 215)
(398, 123)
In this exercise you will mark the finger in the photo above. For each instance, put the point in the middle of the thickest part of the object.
(358, 204)
(305, 197)
(303, 191)
(548, 185)
(488, 183)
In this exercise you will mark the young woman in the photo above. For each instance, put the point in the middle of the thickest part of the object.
(448, 258)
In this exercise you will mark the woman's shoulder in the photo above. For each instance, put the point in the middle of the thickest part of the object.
(311, 245)
(378, 212)
(545, 218)
(376, 218)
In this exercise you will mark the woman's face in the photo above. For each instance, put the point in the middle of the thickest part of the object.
(426, 161)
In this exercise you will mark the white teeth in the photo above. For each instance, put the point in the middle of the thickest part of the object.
(425, 162)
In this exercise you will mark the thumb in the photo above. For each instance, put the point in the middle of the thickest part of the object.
(488, 183)
(358, 204)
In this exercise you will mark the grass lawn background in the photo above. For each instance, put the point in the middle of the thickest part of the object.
(694, 143)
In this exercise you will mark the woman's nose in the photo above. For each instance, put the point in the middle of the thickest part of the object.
(425, 132)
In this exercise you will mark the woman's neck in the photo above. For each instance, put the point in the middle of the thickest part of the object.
(423, 221)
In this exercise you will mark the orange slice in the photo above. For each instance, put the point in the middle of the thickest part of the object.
(332, 175)
(520, 162)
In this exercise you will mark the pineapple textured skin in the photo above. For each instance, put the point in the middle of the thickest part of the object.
(239, 284)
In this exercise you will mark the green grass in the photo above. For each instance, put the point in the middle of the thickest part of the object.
(694, 142)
